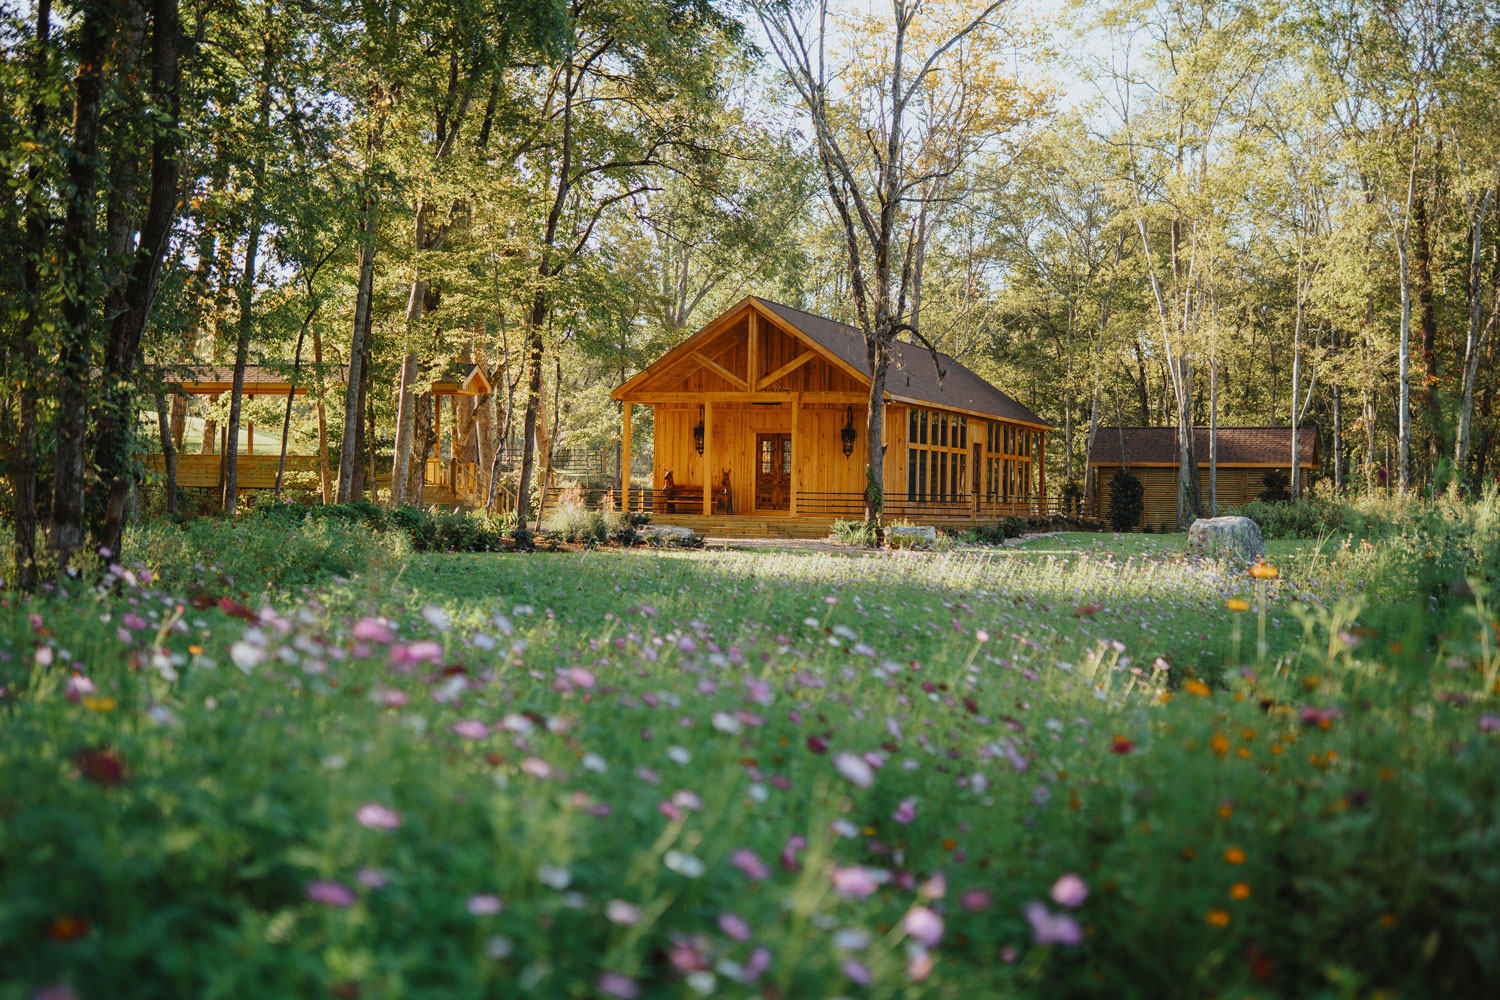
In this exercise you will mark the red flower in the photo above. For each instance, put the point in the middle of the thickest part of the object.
(1121, 745)
(817, 744)
(68, 929)
(101, 766)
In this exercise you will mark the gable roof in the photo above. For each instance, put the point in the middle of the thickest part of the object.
(1254, 446)
(911, 377)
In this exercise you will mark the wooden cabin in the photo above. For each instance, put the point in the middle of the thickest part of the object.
(1246, 455)
(760, 417)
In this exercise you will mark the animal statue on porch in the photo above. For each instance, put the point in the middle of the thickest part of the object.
(723, 497)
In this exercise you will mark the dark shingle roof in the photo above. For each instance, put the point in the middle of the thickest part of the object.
(1237, 445)
(911, 373)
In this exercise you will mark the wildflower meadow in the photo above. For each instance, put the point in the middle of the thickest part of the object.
(1090, 765)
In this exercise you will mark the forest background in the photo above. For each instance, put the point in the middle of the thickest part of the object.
(1119, 212)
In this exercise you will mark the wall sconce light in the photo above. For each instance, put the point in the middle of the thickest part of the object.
(847, 434)
(698, 432)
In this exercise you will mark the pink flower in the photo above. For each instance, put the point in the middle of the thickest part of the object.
(373, 630)
(789, 862)
(1069, 890)
(734, 926)
(974, 900)
(1489, 723)
(905, 812)
(748, 862)
(78, 686)
(621, 912)
(1048, 928)
(133, 621)
(854, 882)
(923, 926)
(613, 984)
(758, 962)
(485, 904)
(471, 729)
(919, 966)
(330, 893)
(377, 817)
(855, 769)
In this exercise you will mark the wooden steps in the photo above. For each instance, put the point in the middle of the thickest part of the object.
(748, 526)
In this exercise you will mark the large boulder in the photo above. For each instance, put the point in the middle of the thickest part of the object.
(1226, 537)
(919, 532)
(667, 533)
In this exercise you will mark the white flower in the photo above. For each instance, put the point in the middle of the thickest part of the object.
(246, 656)
(726, 723)
(554, 876)
(593, 762)
(684, 864)
(436, 617)
(855, 769)
(679, 755)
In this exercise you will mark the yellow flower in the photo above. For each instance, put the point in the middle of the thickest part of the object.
(104, 704)
(1197, 687)
(1234, 856)
(1237, 604)
(1217, 918)
(1240, 890)
(1264, 571)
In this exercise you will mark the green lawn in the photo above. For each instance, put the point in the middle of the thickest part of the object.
(753, 774)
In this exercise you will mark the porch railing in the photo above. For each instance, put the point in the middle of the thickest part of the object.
(689, 500)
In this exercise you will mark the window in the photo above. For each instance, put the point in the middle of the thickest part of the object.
(1007, 463)
(937, 461)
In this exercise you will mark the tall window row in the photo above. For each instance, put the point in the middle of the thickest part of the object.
(937, 455)
(1007, 466)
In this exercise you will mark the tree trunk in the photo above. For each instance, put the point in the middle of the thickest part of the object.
(77, 280)
(1478, 330)
(325, 481)
(168, 448)
(878, 356)
(533, 349)
(23, 449)
(349, 443)
(112, 455)
(406, 401)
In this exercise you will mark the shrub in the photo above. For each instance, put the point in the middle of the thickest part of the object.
(1278, 487)
(1127, 498)
(253, 555)
(858, 533)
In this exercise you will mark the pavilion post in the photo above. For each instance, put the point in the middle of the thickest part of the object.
(1041, 468)
(624, 454)
(708, 457)
(796, 450)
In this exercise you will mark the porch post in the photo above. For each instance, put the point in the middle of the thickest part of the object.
(796, 450)
(708, 457)
(1041, 467)
(625, 455)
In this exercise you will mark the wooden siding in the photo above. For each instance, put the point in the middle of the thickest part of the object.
(775, 347)
(818, 456)
(1236, 487)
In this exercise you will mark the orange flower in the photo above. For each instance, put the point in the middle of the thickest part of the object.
(68, 928)
(1240, 890)
(1234, 856)
(1237, 604)
(1220, 744)
(1217, 918)
(1197, 687)
(1264, 571)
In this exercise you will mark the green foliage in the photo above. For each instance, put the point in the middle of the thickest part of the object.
(855, 532)
(1126, 501)
(1278, 487)
(428, 530)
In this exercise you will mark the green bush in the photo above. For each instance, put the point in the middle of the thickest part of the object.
(858, 533)
(1127, 498)
(253, 555)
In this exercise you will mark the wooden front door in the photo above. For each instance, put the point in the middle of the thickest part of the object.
(773, 471)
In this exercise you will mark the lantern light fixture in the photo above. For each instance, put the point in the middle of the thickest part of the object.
(698, 432)
(848, 433)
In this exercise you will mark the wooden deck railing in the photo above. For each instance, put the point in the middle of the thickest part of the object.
(689, 500)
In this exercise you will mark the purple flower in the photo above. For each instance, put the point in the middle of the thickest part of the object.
(1049, 928)
(1489, 723)
(855, 769)
(974, 900)
(923, 926)
(758, 962)
(857, 971)
(471, 729)
(734, 926)
(905, 812)
(750, 863)
(485, 904)
(371, 878)
(330, 893)
(377, 817)
(1069, 890)
(613, 984)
